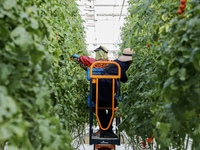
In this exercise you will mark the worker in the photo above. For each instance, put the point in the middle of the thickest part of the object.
(101, 53)
(105, 92)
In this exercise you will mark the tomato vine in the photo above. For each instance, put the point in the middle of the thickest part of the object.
(40, 103)
(162, 94)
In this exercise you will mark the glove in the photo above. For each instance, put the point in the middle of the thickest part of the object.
(75, 56)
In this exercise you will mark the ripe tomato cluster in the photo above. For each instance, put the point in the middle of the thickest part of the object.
(101, 65)
(149, 140)
(182, 7)
(148, 45)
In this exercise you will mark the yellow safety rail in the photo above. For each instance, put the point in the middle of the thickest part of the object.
(95, 79)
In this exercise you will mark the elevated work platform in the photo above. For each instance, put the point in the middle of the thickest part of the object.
(94, 75)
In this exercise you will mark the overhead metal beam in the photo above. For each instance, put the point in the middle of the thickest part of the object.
(108, 50)
(104, 14)
(99, 43)
(114, 14)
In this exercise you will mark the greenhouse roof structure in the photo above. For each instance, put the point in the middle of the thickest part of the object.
(103, 21)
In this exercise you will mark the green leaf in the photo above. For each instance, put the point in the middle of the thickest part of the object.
(189, 114)
(6, 70)
(8, 4)
(164, 129)
(18, 129)
(47, 62)
(8, 106)
(45, 133)
(182, 74)
(34, 23)
(3, 90)
(164, 17)
(22, 38)
(36, 56)
(174, 71)
(3, 31)
(56, 142)
(195, 58)
(57, 54)
(5, 132)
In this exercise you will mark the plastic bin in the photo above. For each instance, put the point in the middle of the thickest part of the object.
(94, 71)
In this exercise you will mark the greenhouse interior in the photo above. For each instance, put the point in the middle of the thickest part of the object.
(99, 75)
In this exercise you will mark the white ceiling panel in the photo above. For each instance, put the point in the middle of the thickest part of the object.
(103, 20)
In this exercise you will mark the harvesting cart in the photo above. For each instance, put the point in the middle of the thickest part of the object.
(93, 76)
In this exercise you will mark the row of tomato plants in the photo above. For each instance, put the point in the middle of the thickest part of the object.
(162, 96)
(40, 104)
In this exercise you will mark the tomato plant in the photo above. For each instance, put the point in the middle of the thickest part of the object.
(161, 97)
(41, 92)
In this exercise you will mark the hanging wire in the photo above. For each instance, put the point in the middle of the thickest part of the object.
(121, 10)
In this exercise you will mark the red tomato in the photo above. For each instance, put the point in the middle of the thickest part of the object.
(179, 11)
(183, 2)
(182, 7)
